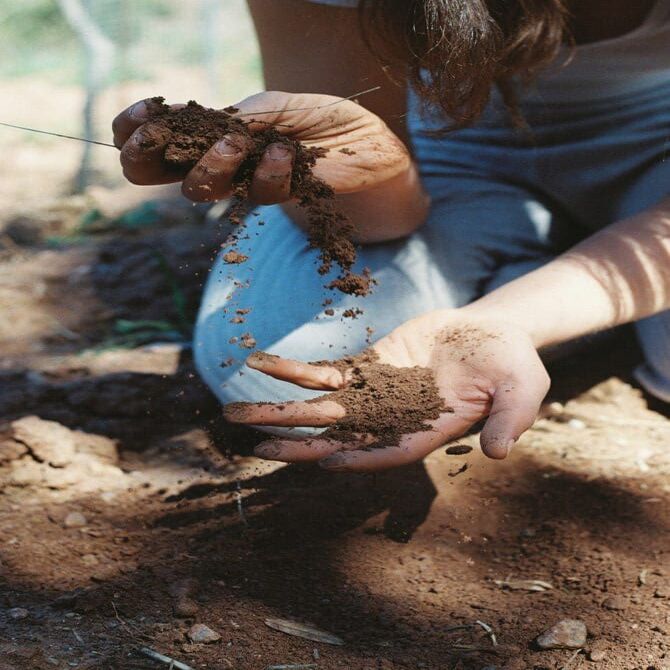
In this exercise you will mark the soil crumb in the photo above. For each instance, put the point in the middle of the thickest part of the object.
(234, 257)
(384, 401)
(189, 132)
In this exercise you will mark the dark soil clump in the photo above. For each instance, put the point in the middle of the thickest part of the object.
(188, 133)
(384, 401)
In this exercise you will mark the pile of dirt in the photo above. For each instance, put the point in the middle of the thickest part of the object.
(384, 401)
(188, 133)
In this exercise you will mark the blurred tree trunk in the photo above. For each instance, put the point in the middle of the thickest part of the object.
(212, 42)
(99, 52)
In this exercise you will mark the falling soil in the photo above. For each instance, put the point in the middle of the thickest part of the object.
(384, 401)
(234, 257)
(188, 133)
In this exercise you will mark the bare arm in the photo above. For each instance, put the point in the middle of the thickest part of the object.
(618, 275)
(314, 48)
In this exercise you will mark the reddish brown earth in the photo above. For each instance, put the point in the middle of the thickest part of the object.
(189, 132)
(183, 526)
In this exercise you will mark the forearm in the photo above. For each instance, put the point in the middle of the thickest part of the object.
(389, 211)
(618, 275)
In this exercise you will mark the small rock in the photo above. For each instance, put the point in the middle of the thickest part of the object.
(596, 653)
(75, 520)
(89, 559)
(202, 634)
(662, 592)
(566, 634)
(48, 441)
(17, 613)
(185, 607)
(458, 450)
(576, 424)
(615, 603)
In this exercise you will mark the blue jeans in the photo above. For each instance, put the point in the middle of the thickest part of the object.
(504, 202)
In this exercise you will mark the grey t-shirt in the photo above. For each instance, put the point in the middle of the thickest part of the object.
(632, 62)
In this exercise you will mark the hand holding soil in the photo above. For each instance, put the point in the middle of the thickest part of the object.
(416, 389)
(357, 149)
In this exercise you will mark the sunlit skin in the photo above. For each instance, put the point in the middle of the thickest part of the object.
(617, 275)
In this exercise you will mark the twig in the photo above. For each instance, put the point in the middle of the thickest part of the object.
(240, 509)
(571, 659)
(131, 630)
(489, 631)
(465, 647)
(177, 665)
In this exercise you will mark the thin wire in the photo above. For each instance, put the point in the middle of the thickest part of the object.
(274, 111)
(309, 109)
(67, 137)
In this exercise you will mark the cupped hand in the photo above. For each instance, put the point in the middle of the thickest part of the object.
(362, 151)
(482, 368)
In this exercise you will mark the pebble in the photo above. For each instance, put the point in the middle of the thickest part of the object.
(566, 634)
(17, 613)
(662, 592)
(597, 655)
(75, 520)
(458, 450)
(185, 607)
(615, 603)
(200, 633)
(576, 424)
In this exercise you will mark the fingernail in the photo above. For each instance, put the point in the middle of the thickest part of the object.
(227, 148)
(139, 111)
(278, 152)
(337, 462)
(267, 450)
(506, 447)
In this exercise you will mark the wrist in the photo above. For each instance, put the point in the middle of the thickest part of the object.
(515, 314)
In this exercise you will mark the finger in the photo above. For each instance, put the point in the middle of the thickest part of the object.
(313, 414)
(411, 448)
(129, 120)
(311, 449)
(514, 410)
(212, 177)
(271, 182)
(296, 451)
(307, 375)
(142, 157)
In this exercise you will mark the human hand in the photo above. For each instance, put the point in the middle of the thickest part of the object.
(362, 152)
(482, 368)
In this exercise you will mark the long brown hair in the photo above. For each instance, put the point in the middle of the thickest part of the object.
(457, 50)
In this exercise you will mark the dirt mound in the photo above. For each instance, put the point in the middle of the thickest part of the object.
(385, 401)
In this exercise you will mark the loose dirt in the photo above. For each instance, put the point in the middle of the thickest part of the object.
(383, 401)
(188, 133)
(184, 527)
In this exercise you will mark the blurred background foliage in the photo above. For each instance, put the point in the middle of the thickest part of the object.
(69, 66)
(35, 37)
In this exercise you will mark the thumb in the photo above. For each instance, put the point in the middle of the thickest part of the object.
(514, 409)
